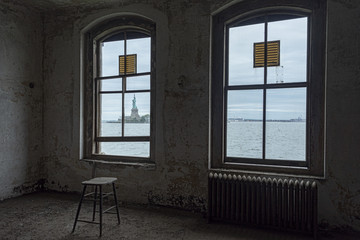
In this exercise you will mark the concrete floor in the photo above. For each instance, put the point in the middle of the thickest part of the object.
(51, 216)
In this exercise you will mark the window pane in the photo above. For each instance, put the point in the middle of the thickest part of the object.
(110, 52)
(241, 50)
(244, 124)
(110, 113)
(137, 114)
(138, 83)
(132, 149)
(140, 47)
(286, 124)
(293, 50)
(111, 84)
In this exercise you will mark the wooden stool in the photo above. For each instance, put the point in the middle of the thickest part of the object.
(97, 183)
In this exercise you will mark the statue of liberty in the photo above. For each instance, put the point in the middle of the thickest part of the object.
(134, 103)
(134, 110)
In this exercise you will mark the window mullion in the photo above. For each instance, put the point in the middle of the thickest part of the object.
(225, 97)
(124, 139)
(264, 91)
(267, 86)
(97, 97)
(123, 91)
(122, 75)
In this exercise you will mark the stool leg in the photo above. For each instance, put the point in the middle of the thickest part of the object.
(101, 205)
(94, 207)
(116, 203)
(79, 207)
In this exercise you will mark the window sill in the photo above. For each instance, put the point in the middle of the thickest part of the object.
(296, 172)
(148, 165)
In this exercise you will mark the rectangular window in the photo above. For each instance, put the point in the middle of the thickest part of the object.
(119, 92)
(269, 78)
(266, 101)
(123, 103)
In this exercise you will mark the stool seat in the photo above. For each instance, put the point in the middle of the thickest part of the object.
(99, 181)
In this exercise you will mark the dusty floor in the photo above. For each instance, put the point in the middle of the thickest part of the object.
(51, 216)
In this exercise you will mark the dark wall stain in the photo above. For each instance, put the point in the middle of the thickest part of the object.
(189, 202)
(39, 186)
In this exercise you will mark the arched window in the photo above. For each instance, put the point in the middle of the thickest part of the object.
(119, 90)
(268, 75)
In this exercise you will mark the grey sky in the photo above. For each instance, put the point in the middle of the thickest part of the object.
(111, 103)
(283, 103)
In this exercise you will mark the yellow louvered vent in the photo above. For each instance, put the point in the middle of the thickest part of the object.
(273, 54)
(130, 64)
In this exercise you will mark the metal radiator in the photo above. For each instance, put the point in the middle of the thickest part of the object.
(265, 202)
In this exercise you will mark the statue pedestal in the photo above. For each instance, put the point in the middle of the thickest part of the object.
(135, 114)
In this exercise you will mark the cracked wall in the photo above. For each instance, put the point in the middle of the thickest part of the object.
(340, 192)
(181, 143)
(179, 178)
(21, 100)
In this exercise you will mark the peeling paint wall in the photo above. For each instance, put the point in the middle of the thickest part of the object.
(20, 105)
(179, 178)
(340, 192)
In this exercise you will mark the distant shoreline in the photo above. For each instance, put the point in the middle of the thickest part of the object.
(270, 120)
(229, 120)
(116, 121)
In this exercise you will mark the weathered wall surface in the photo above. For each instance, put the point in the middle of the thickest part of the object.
(340, 192)
(179, 177)
(182, 128)
(20, 105)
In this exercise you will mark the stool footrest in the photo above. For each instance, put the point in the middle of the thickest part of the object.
(86, 221)
(103, 195)
(107, 210)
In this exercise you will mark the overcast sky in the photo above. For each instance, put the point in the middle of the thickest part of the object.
(281, 103)
(111, 103)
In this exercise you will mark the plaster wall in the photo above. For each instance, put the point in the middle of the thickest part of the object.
(181, 152)
(340, 192)
(179, 178)
(20, 105)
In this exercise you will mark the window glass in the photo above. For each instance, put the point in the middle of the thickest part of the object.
(292, 35)
(286, 124)
(241, 41)
(111, 84)
(137, 114)
(244, 124)
(110, 114)
(138, 83)
(132, 149)
(110, 52)
(140, 47)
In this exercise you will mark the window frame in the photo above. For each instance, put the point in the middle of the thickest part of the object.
(92, 78)
(315, 143)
